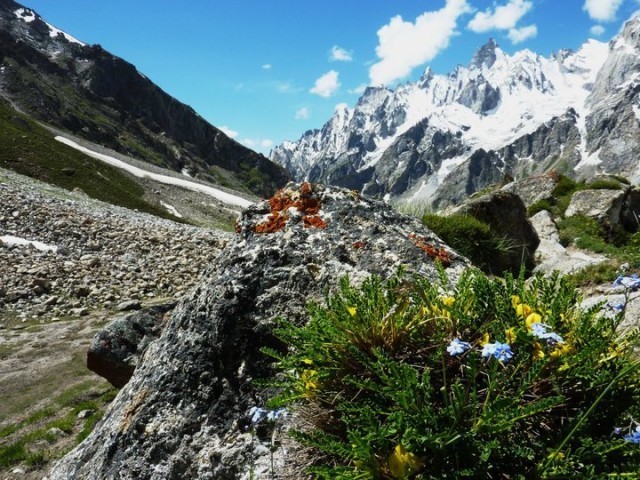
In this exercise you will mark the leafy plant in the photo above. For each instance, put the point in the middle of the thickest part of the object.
(488, 378)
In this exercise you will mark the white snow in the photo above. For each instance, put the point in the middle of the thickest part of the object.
(636, 111)
(54, 32)
(43, 247)
(185, 172)
(166, 179)
(171, 209)
(25, 14)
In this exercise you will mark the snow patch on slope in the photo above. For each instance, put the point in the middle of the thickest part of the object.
(225, 197)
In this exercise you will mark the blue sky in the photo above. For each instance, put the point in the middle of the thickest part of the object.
(268, 70)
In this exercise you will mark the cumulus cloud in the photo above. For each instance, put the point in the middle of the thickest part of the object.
(602, 10)
(403, 45)
(302, 113)
(327, 84)
(266, 143)
(503, 17)
(518, 35)
(249, 142)
(228, 132)
(359, 90)
(267, 66)
(339, 54)
(596, 30)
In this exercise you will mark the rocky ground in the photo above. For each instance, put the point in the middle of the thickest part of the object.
(107, 257)
(95, 261)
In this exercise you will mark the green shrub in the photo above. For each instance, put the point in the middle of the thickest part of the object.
(604, 184)
(540, 205)
(469, 237)
(386, 393)
(565, 186)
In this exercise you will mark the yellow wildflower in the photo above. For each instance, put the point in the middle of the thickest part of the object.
(538, 353)
(307, 361)
(448, 301)
(310, 380)
(531, 319)
(352, 311)
(523, 310)
(510, 334)
(403, 462)
(515, 300)
(485, 339)
(614, 351)
(562, 349)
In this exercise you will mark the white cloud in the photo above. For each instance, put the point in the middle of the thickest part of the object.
(596, 30)
(602, 10)
(228, 132)
(302, 113)
(327, 84)
(359, 90)
(259, 144)
(504, 17)
(339, 54)
(266, 143)
(267, 66)
(518, 35)
(249, 142)
(402, 45)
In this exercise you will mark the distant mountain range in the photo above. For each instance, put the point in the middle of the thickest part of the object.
(442, 138)
(83, 89)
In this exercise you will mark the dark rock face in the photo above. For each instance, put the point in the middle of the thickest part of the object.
(116, 350)
(182, 413)
(506, 214)
(102, 98)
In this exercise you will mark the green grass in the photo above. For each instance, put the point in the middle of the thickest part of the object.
(30, 149)
(469, 237)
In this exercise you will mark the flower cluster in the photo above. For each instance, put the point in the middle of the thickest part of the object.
(534, 326)
(258, 415)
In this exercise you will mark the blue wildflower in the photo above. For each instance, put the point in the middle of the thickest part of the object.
(539, 330)
(617, 431)
(258, 414)
(631, 283)
(500, 351)
(456, 347)
(275, 415)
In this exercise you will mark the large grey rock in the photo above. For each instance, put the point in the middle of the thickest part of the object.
(604, 206)
(182, 413)
(116, 349)
(506, 215)
(551, 255)
(535, 188)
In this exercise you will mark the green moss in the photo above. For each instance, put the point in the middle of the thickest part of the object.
(604, 184)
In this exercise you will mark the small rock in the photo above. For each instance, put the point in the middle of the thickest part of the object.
(83, 414)
(129, 305)
(56, 432)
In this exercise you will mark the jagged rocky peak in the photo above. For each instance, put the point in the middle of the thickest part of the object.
(485, 56)
(185, 411)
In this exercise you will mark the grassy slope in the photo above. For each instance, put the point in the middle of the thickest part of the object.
(29, 149)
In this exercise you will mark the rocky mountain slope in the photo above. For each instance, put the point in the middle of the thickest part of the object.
(444, 137)
(85, 90)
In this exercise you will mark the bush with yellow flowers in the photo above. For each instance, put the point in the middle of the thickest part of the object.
(487, 378)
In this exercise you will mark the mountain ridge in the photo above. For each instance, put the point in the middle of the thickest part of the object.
(89, 92)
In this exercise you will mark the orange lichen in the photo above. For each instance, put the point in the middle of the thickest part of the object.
(304, 201)
(359, 244)
(432, 251)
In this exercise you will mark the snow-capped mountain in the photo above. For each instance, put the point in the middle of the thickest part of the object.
(445, 136)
